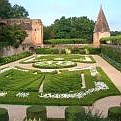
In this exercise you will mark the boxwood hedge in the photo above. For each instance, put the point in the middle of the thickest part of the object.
(114, 113)
(36, 112)
(4, 115)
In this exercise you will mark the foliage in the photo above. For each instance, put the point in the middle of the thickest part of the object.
(112, 62)
(114, 40)
(54, 64)
(65, 41)
(5, 9)
(4, 115)
(12, 35)
(73, 27)
(62, 83)
(65, 57)
(9, 11)
(73, 50)
(74, 113)
(19, 12)
(5, 60)
(114, 113)
(33, 98)
(112, 53)
(115, 33)
(47, 51)
(20, 81)
(36, 112)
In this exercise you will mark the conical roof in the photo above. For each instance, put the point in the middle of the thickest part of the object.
(101, 23)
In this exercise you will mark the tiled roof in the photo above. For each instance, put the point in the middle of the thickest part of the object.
(101, 23)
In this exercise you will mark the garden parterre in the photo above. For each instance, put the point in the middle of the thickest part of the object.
(59, 89)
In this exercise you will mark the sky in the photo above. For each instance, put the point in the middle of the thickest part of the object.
(49, 10)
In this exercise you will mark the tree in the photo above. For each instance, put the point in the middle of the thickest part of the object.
(5, 9)
(9, 11)
(12, 35)
(19, 12)
(66, 28)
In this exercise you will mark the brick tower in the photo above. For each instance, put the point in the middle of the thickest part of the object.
(101, 28)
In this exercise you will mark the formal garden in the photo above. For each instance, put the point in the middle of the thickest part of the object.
(56, 80)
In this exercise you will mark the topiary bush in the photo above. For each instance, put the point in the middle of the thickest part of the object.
(4, 115)
(37, 113)
(114, 113)
(74, 113)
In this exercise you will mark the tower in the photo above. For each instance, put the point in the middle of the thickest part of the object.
(101, 28)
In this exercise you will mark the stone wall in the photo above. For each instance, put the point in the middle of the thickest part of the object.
(7, 51)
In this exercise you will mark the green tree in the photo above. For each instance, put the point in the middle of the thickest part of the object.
(19, 12)
(66, 28)
(9, 11)
(12, 35)
(5, 9)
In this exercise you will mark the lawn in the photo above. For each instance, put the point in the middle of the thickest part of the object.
(16, 81)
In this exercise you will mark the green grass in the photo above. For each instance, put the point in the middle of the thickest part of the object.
(66, 57)
(62, 83)
(14, 80)
(70, 57)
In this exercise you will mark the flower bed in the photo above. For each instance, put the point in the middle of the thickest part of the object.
(54, 64)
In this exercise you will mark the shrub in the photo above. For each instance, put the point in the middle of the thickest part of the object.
(113, 54)
(74, 113)
(4, 115)
(37, 113)
(115, 40)
(65, 41)
(5, 60)
(114, 113)
(47, 51)
(63, 51)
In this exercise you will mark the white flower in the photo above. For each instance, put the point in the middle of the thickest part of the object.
(98, 86)
(22, 94)
(3, 94)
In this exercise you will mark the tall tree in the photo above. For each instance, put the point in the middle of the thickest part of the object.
(9, 11)
(5, 9)
(75, 27)
(19, 12)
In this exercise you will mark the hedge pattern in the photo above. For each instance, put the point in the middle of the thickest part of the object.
(113, 54)
(4, 115)
(63, 51)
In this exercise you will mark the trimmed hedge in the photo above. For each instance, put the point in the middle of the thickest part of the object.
(115, 40)
(66, 41)
(74, 113)
(8, 59)
(112, 54)
(114, 113)
(63, 51)
(4, 115)
(36, 112)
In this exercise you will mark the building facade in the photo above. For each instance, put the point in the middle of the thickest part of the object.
(34, 29)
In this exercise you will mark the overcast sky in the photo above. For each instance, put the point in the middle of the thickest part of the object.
(49, 10)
